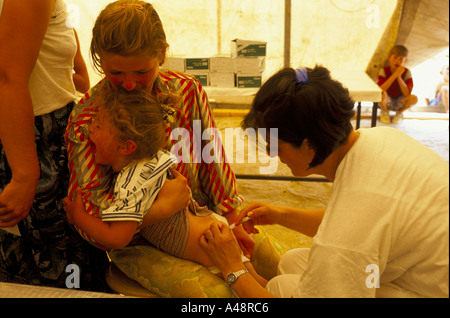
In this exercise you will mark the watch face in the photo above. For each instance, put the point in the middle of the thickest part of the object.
(231, 279)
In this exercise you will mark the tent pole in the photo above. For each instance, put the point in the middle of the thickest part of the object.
(219, 27)
(287, 32)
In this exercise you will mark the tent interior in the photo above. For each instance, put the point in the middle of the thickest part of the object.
(341, 35)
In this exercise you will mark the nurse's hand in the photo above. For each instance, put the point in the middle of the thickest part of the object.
(222, 247)
(258, 214)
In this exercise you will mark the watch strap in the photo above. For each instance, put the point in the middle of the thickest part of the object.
(236, 275)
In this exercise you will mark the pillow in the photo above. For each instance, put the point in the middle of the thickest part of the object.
(271, 243)
(168, 276)
(268, 251)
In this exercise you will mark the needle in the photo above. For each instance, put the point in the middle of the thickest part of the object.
(232, 226)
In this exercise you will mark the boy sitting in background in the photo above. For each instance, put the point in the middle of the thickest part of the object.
(396, 82)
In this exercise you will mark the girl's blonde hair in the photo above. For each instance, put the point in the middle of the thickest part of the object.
(128, 28)
(138, 116)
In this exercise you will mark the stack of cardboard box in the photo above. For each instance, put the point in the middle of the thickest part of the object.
(250, 61)
(243, 68)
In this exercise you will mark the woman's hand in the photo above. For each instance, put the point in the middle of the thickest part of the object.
(16, 200)
(176, 191)
(245, 241)
(306, 221)
(174, 196)
(222, 247)
(259, 214)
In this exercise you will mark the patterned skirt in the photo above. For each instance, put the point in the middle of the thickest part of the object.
(48, 244)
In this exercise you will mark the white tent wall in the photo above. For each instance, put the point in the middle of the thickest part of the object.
(339, 34)
(203, 30)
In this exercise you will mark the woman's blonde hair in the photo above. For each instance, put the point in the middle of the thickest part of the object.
(127, 28)
(138, 116)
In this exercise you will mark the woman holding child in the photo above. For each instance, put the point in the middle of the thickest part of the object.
(129, 46)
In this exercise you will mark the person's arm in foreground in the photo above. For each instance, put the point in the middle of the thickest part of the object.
(300, 220)
(110, 234)
(225, 252)
(80, 75)
(22, 28)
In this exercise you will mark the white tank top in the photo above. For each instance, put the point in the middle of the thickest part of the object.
(51, 81)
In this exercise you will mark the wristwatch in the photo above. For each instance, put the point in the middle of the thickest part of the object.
(232, 278)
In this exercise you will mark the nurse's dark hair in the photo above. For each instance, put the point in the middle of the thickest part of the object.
(319, 110)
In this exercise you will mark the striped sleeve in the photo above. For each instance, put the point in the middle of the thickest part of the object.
(213, 183)
(136, 189)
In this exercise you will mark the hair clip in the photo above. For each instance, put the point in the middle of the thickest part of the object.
(168, 113)
(302, 75)
(132, 5)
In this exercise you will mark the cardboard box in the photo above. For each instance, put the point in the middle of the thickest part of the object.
(222, 64)
(250, 65)
(248, 48)
(222, 79)
(248, 80)
(174, 64)
(200, 75)
(197, 64)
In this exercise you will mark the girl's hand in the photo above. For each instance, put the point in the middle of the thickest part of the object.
(73, 207)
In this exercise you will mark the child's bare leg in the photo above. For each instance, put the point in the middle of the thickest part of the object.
(408, 102)
(384, 101)
(198, 226)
